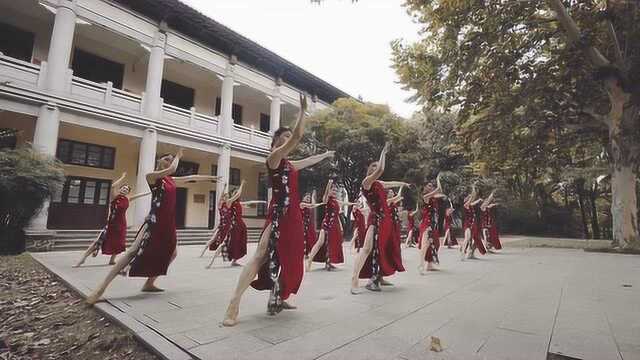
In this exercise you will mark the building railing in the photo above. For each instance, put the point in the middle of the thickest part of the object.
(31, 76)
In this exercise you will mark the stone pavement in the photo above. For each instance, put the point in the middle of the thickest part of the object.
(520, 304)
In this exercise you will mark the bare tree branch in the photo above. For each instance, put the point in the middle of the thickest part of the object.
(573, 32)
(616, 43)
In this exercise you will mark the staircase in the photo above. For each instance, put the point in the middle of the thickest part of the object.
(72, 240)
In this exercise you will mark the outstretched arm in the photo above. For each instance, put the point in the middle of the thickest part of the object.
(304, 205)
(194, 178)
(368, 181)
(392, 184)
(136, 196)
(252, 202)
(153, 176)
(273, 160)
(311, 160)
(238, 193)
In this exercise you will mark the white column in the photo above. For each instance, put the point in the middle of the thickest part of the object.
(146, 164)
(276, 103)
(224, 165)
(225, 124)
(155, 70)
(45, 140)
(60, 46)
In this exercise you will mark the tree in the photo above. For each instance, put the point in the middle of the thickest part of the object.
(27, 180)
(526, 98)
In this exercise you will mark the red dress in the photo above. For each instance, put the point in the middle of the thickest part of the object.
(224, 226)
(471, 223)
(115, 236)
(360, 227)
(158, 232)
(333, 235)
(430, 219)
(448, 226)
(411, 226)
(285, 253)
(396, 231)
(385, 253)
(237, 245)
(489, 224)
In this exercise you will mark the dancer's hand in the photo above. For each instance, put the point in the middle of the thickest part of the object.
(330, 154)
(179, 153)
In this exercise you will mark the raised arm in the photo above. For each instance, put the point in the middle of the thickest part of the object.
(312, 160)
(273, 160)
(487, 201)
(396, 198)
(393, 184)
(252, 202)
(136, 196)
(237, 194)
(327, 191)
(153, 176)
(221, 199)
(368, 181)
(115, 186)
(304, 205)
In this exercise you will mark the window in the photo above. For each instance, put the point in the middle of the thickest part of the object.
(16, 43)
(234, 178)
(8, 138)
(214, 170)
(97, 69)
(78, 153)
(177, 95)
(265, 122)
(236, 111)
(186, 168)
(263, 191)
(77, 190)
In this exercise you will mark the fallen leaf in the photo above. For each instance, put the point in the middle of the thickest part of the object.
(435, 344)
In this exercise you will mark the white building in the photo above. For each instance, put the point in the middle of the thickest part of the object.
(105, 85)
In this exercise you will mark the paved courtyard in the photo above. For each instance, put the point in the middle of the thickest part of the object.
(519, 304)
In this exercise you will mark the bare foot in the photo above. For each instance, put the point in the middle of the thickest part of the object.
(92, 299)
(287, 306)
(231, 316)
(355, 291)
(151, 289)
(112, 262)
(236, 264)
(385, 283)
(78, 264)
(307, 266)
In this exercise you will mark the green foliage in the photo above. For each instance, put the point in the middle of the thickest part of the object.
(27, 180)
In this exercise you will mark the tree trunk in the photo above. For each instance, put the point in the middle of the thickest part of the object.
(624, 207)
(595, 224)
(583, 212)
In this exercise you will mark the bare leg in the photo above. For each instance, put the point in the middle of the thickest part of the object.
(215, 255)
(353, 241)
(447, 238)
(115, 270)
(86, 254)
(407, 241)
(465, 244)
(247, 275)
(361, 258)
(112, 259)
(315, 249)
(213, 236)
(424, 245)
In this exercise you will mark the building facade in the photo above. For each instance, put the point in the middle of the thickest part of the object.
(108, 85)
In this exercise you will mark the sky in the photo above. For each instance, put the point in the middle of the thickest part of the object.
(346, 44)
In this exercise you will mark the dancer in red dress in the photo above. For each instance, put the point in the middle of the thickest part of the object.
(233, 246)
(279, 257)
(154, 247)
(359, 228)
(396, 225)
(490, 235)
(378, 257)
(429, 243)
(413, 233)
(472, 238)
(224, 224)
(449, 235)
(309, 225)
(328, 248)
(112, 240)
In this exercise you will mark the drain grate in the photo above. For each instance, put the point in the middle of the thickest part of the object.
(556, 356)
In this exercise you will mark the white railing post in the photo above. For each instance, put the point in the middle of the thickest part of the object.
(252, 134)
(108, 93)
(192, 116)
(143, 99)
(42, 76)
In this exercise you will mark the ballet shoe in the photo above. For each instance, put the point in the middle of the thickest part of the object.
(287, 306)
(373, 287)
(151, 289)
(231, 316)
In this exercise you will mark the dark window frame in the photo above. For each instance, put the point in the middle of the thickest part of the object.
(236, 111)
(18, 37)
(265, 122)
(64, 196)
(117, 69)
(235, 177)
(178, 90)
(186, 168)
(67, 158)
(263, 193)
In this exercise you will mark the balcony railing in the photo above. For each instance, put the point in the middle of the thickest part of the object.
(31, 77)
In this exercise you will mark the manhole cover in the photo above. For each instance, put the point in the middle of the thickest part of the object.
(627, 285)
(555, 356)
